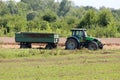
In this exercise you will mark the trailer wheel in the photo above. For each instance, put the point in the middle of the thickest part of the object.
(48, 46)
(29, 45)
(25, 45)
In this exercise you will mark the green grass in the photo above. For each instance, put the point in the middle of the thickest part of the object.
(35, 64)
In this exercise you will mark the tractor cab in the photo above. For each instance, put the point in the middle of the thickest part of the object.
(79, 32)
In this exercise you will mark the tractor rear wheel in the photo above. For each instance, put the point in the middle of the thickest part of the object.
(71, 44)
(92, 45)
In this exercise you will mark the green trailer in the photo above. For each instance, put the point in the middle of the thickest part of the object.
(27, 38)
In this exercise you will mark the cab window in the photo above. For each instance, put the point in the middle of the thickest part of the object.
(73, 33)
(79, 33)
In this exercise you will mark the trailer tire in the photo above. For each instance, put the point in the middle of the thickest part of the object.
(48, 46)
(25, 45)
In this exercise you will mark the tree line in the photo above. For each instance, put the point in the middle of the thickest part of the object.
(57, 17)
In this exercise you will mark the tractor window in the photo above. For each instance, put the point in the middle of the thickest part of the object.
(73, 33)
(79, 33)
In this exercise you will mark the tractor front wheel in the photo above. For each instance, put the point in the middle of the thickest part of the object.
(71, 44)
(92, 45)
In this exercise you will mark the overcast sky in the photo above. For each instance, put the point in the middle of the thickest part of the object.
(99, 3)
(96, 3)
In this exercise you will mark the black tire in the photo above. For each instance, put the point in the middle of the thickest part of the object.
(54, 45)
(101, 46)
(71, 44)
(92, 45)
(29, 45)
(25, 45)
(48, 46)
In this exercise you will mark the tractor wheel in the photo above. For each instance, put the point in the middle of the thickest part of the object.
(71, 44)
(92, 45)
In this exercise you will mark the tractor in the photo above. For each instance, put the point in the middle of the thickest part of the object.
(79, 39)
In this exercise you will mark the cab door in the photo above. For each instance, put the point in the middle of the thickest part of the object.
(80, 36)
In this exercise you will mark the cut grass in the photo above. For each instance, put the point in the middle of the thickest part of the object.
(18, 53)
(59, 64)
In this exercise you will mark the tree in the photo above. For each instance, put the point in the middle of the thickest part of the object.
(104, 17)
(115, 14)
(49, 17)
(16, 23)
(22, 8)
(37, 5)
(65, 6)
(3, 9)
(12, 7)
(31, 16)
(87, 20)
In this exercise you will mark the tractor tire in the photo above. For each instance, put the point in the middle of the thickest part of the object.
(92, 45)
(71, 44)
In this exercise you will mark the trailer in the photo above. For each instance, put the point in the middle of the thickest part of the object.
(27, 38)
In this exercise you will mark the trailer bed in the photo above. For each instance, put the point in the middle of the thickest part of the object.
(36, 37)
(26, 38)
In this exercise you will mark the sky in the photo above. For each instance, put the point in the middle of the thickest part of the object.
(96, 3)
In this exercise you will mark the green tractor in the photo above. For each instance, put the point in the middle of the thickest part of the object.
(79, 39)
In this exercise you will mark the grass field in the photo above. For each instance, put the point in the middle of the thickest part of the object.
(35, 64)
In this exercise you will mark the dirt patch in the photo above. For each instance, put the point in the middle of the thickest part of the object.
(106, 47)
(12, 46)
(16, 46)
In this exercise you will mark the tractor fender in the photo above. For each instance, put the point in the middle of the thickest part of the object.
(95, 40)
(89, 41)
(75, 38)
(100, 45)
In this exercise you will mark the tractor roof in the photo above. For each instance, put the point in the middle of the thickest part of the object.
(78, 29)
